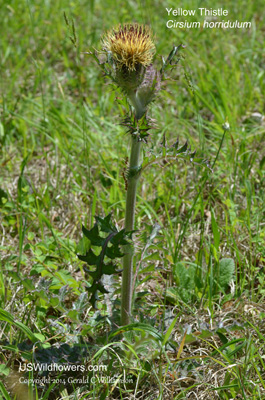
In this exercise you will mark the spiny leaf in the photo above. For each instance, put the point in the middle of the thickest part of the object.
(110, 269)
(183, 149)
(110, 247)
(183, 152)
(89, 258)
(114, 252)
(93, 299)
(96, 286)
(176, 144)
(192, 155)
(96, 275)
(105, 224)
(93, 236)
(119, 238)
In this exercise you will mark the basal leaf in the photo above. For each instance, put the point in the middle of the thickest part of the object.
(184, 279)
(145, 328)
(226, 272)
(172, 295)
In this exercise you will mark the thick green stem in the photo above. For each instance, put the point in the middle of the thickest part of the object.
(136, 101)
(133, 176)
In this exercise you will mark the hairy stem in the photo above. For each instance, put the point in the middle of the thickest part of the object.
(133, 176)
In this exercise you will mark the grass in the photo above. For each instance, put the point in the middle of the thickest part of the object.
(63, 154)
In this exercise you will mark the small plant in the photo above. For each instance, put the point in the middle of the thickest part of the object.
(188, 285)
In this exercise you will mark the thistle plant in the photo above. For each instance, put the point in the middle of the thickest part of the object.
(129, 52)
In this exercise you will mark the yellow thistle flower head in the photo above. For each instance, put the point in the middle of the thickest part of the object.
(130, 46)
(130, 50)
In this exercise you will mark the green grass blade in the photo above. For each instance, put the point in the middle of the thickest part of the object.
(6, 316)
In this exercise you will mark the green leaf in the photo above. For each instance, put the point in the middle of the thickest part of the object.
(109, 269)
(226, 272)
(184, 279)
(93, 236)
(222, 337)
(114, 252)
(54, 301)
(10, 347)
(6, 316)
(3, 197)
(172, 295)
(191, 338)
(145, 328)
(183, 149)
(40, 337)
(172, 54)
(4, 392)
(105, 224)
(170, 329)
(95, 275)
(31, 235)
(97, 237)
(89, 258)
(28, 284)
(4, 370)
(229, 344)
(96, 286)
(119, 238)
(83, 246)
